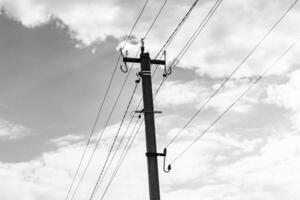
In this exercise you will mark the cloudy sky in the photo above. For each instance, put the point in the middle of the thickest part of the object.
(56, 58)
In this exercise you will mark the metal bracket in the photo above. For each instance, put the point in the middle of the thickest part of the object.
(132, 114)
(164, 154)
(143, 111)
(138, 80)
(124, 69)
(169, 166)
(168, 71)
(148, 154)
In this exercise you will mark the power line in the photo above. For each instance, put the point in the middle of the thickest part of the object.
(196, 32)
(114, 141)
(231, 105)
(102, 132)
(146, 34)
(125, 150)
(169, 40)
(190, 41)
(172, 36)
(135, 23)
(232, 73)
(100, 110)
(93, 128)
(117, 148)
(120, 92)
(174, 33)
(114, 175)
(123, 155)
(155, 19)
(175, 65)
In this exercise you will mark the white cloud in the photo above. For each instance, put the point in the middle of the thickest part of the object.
(193, 94)
(228, 37)
(222, 165)
(67, 140)
(228, 95)
(29, 12)
(88, 21)
(10, 131)
(287, 95)
(272, 174)
(233, 32)
(50, 175)
(175, 93)
(265, 168)
(211, 170)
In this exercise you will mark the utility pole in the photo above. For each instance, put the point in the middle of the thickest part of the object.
(148, 111)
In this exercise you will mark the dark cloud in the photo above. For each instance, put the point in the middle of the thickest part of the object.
(49, 86)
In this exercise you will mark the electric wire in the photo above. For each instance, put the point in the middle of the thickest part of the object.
(196, 33)
(123, 155)
(155, 19)
(145, 36)
(114, 141)
(176, 30)
(147, 32)
(185, 51)
(102, 133)
(117, 148)
(135, 23)
(169, 40)
(231, 105)
(190, 41)
(93, 127)
(102, 104)
(98, 115)
(232, 73)
(125, 150)
(174, 33)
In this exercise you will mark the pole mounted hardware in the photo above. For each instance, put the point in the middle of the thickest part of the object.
(138, 80)
(164, 154)
(124, 69)
(149, 113)
(168, 71)
(139, 112)
(152, 112)
(142, 45)
(133, 114)
(168, 169)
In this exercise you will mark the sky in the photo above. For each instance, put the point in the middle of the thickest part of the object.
(56, 60)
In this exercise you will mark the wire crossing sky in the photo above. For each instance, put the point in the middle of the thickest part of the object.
(57, 59)
(236, 101)
(114, 106)
(169, 40)
(234, 71)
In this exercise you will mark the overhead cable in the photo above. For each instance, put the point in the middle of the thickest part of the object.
(236, 101)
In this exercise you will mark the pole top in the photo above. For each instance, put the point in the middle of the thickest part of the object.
(142, 45)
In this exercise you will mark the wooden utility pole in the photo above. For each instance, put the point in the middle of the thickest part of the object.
(148, 110)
